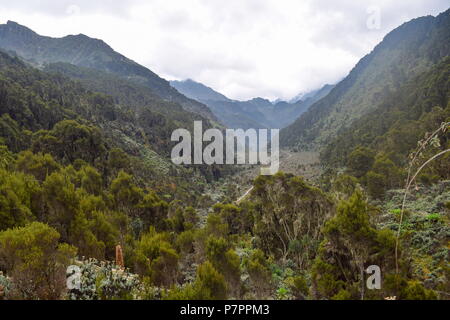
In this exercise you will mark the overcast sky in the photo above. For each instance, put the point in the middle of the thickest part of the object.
(242, 48)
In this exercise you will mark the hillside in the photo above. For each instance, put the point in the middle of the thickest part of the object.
(49, 113)
(392, 130)
(80, 50)
(405, 52)
(92, 207)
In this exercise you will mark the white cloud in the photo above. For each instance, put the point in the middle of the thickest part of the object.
(242, 48)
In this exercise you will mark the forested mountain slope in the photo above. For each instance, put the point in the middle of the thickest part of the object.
(400, 120)
(52, 114)
(83, 51)
(377, 148)
(404, 53)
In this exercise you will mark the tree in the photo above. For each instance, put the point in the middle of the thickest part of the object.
(33, 257)
(153, 210)
(344, 186)
(165, 267)
(70, 140)
(376, 184)
(238, 220)
(17, 192)
(227, 262)
(155, 257)
(90, 180)
(260, 274)
(209, 284)
(191, 218)
(289, 214)
(351, 244)
(61, 202)
(126, 194)
(360, 161)
(39, 165)
(118, 160)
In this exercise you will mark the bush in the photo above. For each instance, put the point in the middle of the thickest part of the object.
(376, 184)
(210, 284)
(105, 281)
(360, 161)
(35, 261)
(299, 287)
(260, 274)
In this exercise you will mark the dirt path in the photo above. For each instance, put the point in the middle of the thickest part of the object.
(238, 201)
(305, 164)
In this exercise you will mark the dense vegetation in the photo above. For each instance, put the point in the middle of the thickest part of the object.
(85, 181)
(376, 147)
(82, 51)
(409, 50)
(288, 241)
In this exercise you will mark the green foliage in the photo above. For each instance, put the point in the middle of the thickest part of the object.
(288, 215)
(156, 258)
(33, 257)
(69, 140)
(98, 178)
(395, 126)
(260, 274)
(210, 284)
(299, 287)
(16, 199)
(415, 291)
(185, 241)
(38, 165)
(351, 243)
(376, 184)
(373, 83)
(345, 185)
(360, 161)
(225, 261)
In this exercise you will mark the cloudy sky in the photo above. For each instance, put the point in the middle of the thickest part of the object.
(242, 48)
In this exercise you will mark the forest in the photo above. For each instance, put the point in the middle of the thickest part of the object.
(87, 188)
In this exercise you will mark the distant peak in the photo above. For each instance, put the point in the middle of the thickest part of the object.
(80, 36)
(14, 26)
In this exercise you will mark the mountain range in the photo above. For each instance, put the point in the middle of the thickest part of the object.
(409, 50)
(83, 51)
(254, 113)
(86, 179)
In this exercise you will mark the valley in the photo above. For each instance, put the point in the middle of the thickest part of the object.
(88, 180)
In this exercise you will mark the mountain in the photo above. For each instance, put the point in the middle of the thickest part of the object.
(420, 105)
(197, 91)
(254, 113)
(83, 51)
(310, 94)
(404, 53)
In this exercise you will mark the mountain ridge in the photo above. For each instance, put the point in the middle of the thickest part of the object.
(405, 52)
(254, 113)
(84, 51)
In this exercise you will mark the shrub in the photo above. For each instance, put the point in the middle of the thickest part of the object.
(104, 281)
(35, 261)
